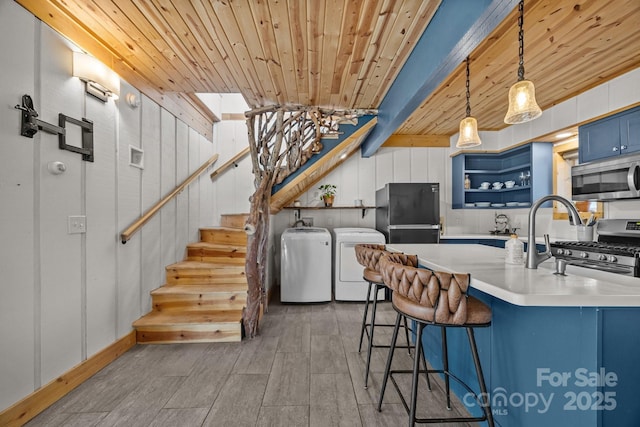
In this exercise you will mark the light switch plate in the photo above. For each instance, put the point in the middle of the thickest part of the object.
(77, 224)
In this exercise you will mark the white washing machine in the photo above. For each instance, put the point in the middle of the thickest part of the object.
(348, 282)
(305, 265)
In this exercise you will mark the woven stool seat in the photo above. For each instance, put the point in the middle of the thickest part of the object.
(478, 313)
(372, 276)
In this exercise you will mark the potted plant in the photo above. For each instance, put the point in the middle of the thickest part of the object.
(328, 194)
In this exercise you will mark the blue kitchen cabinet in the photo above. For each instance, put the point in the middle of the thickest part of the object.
(615, 135)
(630, 131)
(533, 158)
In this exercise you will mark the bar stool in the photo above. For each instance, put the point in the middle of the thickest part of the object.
(368, 255)
(437, 299)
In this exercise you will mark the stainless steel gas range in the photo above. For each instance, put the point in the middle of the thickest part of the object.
(616, 251)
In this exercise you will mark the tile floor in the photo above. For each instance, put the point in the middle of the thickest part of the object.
(303, 370)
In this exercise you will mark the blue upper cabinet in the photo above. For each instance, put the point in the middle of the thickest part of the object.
(529, 166)
(630, 131)
(616, 135)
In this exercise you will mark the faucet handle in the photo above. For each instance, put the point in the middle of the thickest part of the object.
(547, 243)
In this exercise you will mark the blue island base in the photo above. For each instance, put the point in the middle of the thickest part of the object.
(550, 366)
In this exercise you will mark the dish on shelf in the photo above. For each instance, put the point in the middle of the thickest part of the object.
(524, 204)
(483, 204)
(511, 204)
(497, 205)
(469, 205)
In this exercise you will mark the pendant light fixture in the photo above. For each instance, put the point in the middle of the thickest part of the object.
(522, 95)
(468, 136)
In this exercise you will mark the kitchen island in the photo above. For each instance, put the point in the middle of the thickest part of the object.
(561, 350)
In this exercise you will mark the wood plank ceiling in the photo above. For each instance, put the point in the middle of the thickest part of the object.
(570, 46)
(345, 53)
(322, 52)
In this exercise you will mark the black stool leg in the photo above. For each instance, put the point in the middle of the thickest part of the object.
(406, 334)
(486, 405)
(387, 369)
(416, 372)
(426, 370)
(445, 361)
(364, 318)
(373, 325)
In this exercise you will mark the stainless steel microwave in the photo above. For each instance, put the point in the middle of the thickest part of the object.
(609, 179)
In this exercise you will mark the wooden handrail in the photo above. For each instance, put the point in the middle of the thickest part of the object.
(130, 231)
(230, 162)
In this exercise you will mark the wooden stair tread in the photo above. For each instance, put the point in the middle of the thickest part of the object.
(218, 246)
(222, 228)
(201, 265)
(224, 235)
(199, 289)
(174, 319)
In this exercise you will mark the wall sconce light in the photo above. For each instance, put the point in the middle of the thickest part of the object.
(100, 80)
(132, 100)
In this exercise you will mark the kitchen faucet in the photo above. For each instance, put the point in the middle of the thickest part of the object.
(301, 222)
(534, 258)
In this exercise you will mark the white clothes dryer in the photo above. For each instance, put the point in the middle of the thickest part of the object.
(348, 282)
(305, 267)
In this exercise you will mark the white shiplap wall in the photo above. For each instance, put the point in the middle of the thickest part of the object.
(64, 297)
(19, 267)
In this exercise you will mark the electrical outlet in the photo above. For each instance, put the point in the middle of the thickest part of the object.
(77, 224)
(308, 221)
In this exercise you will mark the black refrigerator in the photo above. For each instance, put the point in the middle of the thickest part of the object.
(409, 212)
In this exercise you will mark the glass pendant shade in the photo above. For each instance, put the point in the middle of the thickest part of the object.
(522, 103)
(468, 136)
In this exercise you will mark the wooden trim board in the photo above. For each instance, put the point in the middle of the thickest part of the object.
(26, 409)
(402, 140)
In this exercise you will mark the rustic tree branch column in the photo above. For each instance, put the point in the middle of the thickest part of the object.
(281, 140)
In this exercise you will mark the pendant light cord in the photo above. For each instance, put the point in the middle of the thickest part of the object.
(521, 40)
(468, 93)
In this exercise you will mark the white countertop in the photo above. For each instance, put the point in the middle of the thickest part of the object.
(493, 236)
(518, 285)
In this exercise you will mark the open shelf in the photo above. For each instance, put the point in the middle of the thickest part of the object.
(533, 159)
(310, 208)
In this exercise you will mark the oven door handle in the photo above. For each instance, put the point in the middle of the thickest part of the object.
(633, 177)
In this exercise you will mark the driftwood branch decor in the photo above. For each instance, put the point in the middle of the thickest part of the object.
(281, 139)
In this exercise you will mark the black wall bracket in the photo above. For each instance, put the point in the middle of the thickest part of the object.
(30, 125)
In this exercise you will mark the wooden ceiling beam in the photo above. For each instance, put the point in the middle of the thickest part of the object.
(430, 62)
(403, 140)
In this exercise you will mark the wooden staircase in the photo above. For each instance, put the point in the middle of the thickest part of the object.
(204, 295)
